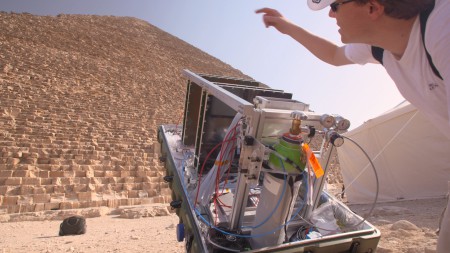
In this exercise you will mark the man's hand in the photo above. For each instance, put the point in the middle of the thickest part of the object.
(273, 18)
(321, 48)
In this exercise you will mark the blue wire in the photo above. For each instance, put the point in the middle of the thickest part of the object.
(278, 203)
(238, 235)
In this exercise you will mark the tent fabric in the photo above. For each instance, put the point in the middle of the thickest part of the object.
(411, 157)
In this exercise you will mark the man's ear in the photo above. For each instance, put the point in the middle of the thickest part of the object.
(375, 9)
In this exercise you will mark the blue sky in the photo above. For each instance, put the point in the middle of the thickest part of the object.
(232, 32)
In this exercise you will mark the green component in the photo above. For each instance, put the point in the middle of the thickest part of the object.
(291, 150)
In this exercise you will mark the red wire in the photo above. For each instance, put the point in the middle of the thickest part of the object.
(206, 158)
(223, 204)
(217, 201)
(228, 172)
(229, 166)
(201, 172)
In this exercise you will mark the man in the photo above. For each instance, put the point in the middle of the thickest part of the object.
(395, 27)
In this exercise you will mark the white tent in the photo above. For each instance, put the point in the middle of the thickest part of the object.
(411, 157)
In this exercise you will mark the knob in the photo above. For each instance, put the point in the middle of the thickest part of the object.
(175, 204)
(168, 179)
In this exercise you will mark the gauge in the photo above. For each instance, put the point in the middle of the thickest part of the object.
(327, 121)
(342, 124)
(335, 138)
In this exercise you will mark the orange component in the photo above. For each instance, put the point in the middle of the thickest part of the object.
(318, 171)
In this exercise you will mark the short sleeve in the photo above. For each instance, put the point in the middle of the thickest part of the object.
(359, 53)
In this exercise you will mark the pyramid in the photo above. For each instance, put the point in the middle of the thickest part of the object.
(81, 97)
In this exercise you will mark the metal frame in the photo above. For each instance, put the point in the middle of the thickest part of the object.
(250, 160)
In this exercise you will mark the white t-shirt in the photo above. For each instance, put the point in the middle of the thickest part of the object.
(412, 73)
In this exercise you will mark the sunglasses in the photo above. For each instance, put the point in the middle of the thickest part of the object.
(334, 6)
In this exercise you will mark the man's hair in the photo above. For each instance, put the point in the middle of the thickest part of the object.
(402, 9)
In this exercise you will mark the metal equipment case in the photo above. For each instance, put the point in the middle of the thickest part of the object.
(222, 217)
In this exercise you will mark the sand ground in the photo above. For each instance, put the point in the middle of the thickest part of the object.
(407, 226)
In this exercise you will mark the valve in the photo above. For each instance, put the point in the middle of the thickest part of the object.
(297, 117)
